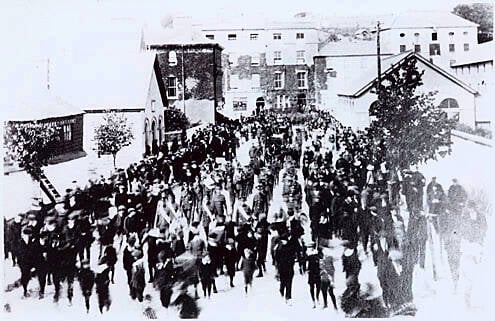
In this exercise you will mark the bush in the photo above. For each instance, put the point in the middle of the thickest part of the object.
(175, 119)
(482, 132)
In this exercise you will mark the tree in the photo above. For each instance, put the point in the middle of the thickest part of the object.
(31, 145)
(175, 119)
(410, 126)
(114, 134)
(480, 13)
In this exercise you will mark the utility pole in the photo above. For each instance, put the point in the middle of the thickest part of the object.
(48, 73)
(378, 60)
(183, 81)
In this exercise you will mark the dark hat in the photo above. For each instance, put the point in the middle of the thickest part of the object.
(27, 231)
(121, 208)
(32, 216)
(131, 210)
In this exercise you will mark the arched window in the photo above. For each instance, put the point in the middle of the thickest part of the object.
(449, 103)
(172, 58)
(146, 133)
(160, 130)
(153, 130)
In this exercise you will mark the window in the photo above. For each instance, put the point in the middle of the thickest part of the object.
(253, 36)
(239, 103)
(434, 49)
(232, 36)
(255, 60)
(300, 57)
(67, 129)
(451, 33)
(417, 48)
(279, 81)
(301, 79)
(277, 36)
(451, 47)
(172, 58)
(277, 56)
(466, 47)
(402, 48)
(299, 35)
(153, 103)
(211, 37)
(465, 33)
(449, 103)
(402, 35)
(331, 72)
(434, 36)
(416, 34)
(171, 87)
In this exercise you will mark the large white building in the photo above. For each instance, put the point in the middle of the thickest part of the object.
(436, 35)
(268, 64)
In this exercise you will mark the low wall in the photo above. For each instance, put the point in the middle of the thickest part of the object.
(473, 138)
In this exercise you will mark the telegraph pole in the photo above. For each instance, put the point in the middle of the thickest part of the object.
(48, 73)
(378, 60)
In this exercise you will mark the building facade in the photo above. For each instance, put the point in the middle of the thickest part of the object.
(455, 97)
(439, 36)
(269, 66)
(188, 77)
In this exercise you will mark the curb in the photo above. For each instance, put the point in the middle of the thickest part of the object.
(473, 138)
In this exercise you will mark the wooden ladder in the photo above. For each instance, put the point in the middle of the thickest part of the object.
(48, 188)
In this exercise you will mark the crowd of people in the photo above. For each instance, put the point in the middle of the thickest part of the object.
(191, 212)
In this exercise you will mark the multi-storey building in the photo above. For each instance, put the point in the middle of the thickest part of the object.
(185, 76)
(439, 36)
(268, 66)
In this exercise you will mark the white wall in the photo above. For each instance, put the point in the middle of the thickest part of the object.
(391, 41)
(128, 154)
(354, 111)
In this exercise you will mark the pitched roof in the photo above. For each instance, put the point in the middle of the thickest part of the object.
(407, 19)
(105, 81)
(348, 47)
(38, 105)
(424, 19)
(368, 78)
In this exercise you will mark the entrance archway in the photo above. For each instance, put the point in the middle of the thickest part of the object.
(260, 104)
(301, 101)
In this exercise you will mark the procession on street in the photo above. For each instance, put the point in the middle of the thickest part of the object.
(183, 218)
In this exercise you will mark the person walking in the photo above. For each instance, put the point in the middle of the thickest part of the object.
(327, 271)
(86, 279)
(314, 279)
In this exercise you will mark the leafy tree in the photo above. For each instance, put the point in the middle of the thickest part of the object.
(411, 127)
(113, 135)
(480, 13)
(175, 119)
(31, 144)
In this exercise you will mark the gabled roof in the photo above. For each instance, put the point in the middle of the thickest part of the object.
(160, 80)
(391, 63)
(348, 47)
(39, 105)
